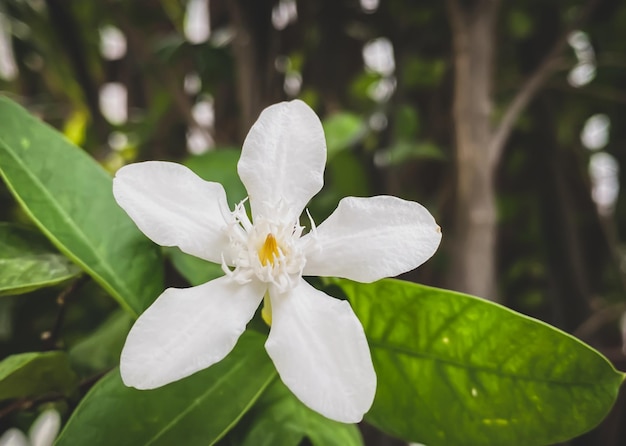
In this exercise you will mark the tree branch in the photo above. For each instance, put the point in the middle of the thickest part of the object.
(607, 94)
(28, 402)
(598, 320)
(454, 13)
(532, 85)
(50, 337)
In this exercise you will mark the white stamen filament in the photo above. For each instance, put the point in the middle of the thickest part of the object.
(269, 249)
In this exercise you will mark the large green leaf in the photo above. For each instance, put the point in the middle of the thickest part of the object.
(33, 374)
(28, 262)
(457, 370)
(279, 419)
(198, 410)
(68, 195)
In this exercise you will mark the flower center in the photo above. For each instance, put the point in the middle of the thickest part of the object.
(269, 251)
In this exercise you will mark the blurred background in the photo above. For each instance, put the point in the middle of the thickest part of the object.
(507, 120)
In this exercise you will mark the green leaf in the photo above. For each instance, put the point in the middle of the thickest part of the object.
(194, 269)
(220, 166)
(457, 370)
(28, 262)
(520, 24)
(279, 419)
(69, 197)
(101, 349)
(404, 151)
(345, 176)
(198, 410)
(34, 374)
(423, 73)
(342, 130)
(406, 124)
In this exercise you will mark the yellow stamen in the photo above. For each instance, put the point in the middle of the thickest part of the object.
(269, 250)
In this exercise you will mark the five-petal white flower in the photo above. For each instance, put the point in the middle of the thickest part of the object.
(316, 342)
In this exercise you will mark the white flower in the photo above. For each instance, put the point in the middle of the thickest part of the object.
(42, 433)
(316, 342)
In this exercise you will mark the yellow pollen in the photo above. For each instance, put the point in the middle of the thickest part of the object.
(269, 250)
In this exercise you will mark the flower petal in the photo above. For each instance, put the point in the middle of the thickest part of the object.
(187, 330)
(45, 428)
(366, 239)
(283, 157)
(320, 351)
(174, 207)
(14, 437)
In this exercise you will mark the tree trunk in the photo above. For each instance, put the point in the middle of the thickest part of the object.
(254, 49)
(473, 265)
